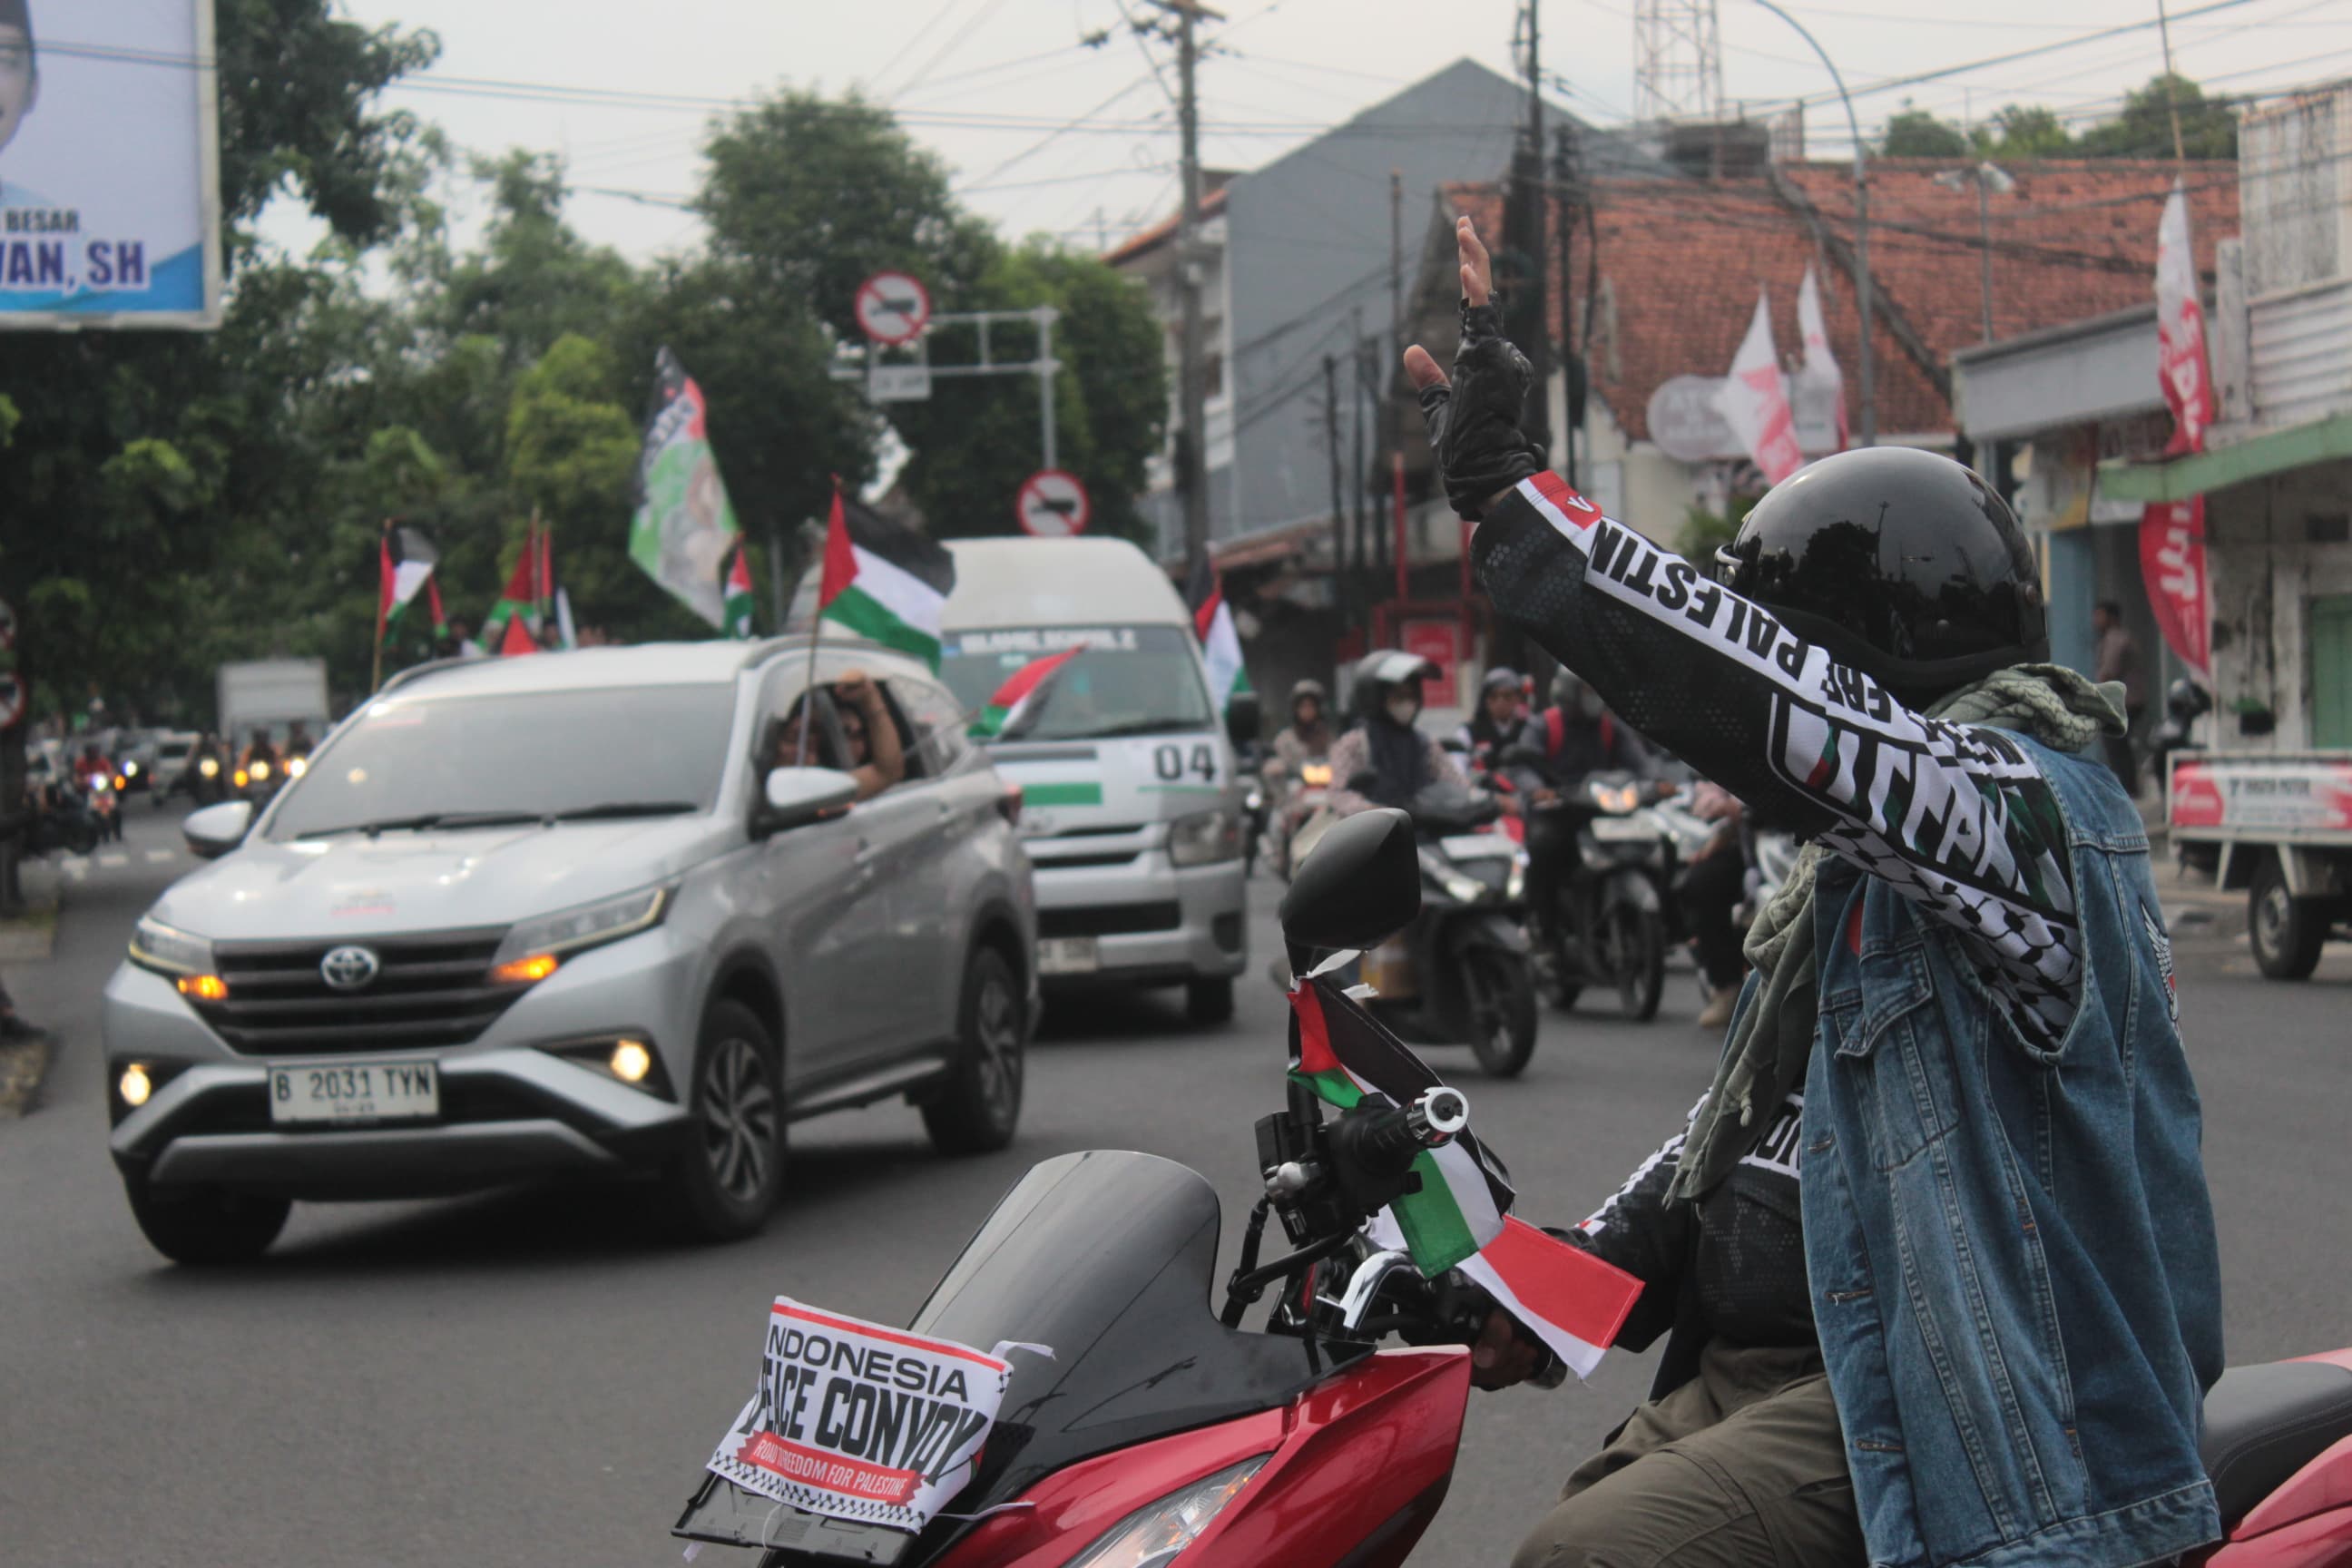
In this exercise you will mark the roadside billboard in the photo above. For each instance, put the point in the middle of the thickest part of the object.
(109, 179)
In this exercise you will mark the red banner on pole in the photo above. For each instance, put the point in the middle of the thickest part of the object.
(2172, 533)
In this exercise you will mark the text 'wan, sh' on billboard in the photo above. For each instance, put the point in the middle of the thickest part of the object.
(109, 164)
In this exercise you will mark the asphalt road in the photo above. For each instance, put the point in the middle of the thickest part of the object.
(535, 1377)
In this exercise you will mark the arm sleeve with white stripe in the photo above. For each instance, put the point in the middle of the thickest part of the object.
(1957, 817)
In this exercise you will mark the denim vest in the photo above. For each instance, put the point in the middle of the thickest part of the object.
(2011, 1249)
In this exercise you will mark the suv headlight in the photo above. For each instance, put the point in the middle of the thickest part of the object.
(1204, 837)
(166, 950)
(1155, 1535)
(534, 948)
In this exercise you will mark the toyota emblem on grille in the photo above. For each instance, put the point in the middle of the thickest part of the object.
(348, 968)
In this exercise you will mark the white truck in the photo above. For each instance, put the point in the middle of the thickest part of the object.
(271, 693)
(2279, 826)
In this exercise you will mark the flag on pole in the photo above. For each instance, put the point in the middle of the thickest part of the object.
(1018, 701)
(565, 631)
(887, 584)
(739, 592)
(1755, 400)
(1221, 644)
(2172, 533)
(1337, 1051)
(1820, 364)
(507, 628)
(542, 602)
(684, 528)
(406, 560)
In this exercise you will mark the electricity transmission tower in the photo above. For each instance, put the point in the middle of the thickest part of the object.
(1677, 61)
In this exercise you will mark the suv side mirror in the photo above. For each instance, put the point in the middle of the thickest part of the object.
(794, 797)
(1243, 716)
(216, 829)
(1362, 883)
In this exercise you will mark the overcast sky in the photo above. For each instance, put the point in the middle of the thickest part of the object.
(988, 83)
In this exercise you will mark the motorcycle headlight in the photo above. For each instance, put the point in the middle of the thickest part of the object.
(537, 945)
(209, 767)
(1316, 775)
(260, 770)
(1515, 886)
(1153, 1536)
(1204, 837)
(168, 950)
(296, 767)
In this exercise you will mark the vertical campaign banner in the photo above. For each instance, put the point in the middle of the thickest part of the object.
(109, 168)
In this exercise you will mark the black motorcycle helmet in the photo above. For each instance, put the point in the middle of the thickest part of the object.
(1901, 563)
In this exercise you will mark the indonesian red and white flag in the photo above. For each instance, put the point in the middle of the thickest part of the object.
(1755, 400)
(1821, 363)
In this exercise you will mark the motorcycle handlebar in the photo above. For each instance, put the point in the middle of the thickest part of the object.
(1384, 1141)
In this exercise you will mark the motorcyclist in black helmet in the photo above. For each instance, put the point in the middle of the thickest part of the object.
(1385, 760)
(1934, 1250)
(1495, 724)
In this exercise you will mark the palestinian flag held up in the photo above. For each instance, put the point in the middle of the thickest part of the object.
(1221, 644)
(1018, 701)
(1345, 1057)
(738, 593)
(684, 526)
(406, 560)
(887, 584)
(508, 627)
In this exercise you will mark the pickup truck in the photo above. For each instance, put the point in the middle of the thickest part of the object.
(2278, 825)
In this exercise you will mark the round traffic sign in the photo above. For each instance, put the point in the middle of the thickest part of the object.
(1053, 504)
(11, 700)
(893, 307)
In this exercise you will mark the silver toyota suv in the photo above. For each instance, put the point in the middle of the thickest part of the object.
(572, 915)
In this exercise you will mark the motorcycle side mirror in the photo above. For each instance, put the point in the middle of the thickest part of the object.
(1242, 718)
(1361, 882)
(216, 829)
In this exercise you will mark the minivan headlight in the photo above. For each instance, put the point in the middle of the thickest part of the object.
(1205, 838)
(1155, 1535)
(588, 925)
(159, 947)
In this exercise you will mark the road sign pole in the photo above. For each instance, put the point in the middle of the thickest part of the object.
(1045, 368)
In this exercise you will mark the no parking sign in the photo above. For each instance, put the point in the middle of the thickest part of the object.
(1053, 504)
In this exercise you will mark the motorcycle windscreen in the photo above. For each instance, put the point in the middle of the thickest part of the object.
(1107, 1258)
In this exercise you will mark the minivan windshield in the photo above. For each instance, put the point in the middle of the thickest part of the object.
(1130, 680)
(515, 756)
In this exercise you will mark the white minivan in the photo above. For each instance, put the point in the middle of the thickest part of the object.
(1131, 803)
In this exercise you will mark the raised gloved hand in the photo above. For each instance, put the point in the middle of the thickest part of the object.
(1474, 419)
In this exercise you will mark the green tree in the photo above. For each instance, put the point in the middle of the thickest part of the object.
(2208, 126)
(1916, 133)
(2020, 130)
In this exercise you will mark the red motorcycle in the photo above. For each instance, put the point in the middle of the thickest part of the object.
(1158, 1432)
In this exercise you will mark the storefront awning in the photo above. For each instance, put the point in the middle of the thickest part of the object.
(2273, 452)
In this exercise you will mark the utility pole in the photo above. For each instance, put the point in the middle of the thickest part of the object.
(1191, 389)
(1396, 255)
(1528, 235)
(2171, 102)
(1569, 192)
(1345, 558)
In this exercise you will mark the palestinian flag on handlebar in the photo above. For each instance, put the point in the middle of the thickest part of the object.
(1018, 701)
(1571, 1301)
(1337, 1051)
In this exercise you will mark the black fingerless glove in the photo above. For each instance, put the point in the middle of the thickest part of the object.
(1474, 425)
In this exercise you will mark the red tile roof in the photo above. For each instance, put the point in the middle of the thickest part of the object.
(1681, 263)
(1212, 203)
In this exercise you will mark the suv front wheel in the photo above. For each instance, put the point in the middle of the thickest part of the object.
(206, 1226)
(725, 1181)
(976, 1110)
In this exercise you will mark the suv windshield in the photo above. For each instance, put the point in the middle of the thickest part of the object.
(516, 756)
(1130, 679)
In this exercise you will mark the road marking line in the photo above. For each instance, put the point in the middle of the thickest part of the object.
(114, 858)
(157, 856)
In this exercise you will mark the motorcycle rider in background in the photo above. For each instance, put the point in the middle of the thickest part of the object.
(1502, 710)
(1305, 739)
(1936, 1250)
(1385, 752)
(1575, 737)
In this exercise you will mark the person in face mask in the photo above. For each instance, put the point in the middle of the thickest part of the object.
(1385, 760)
